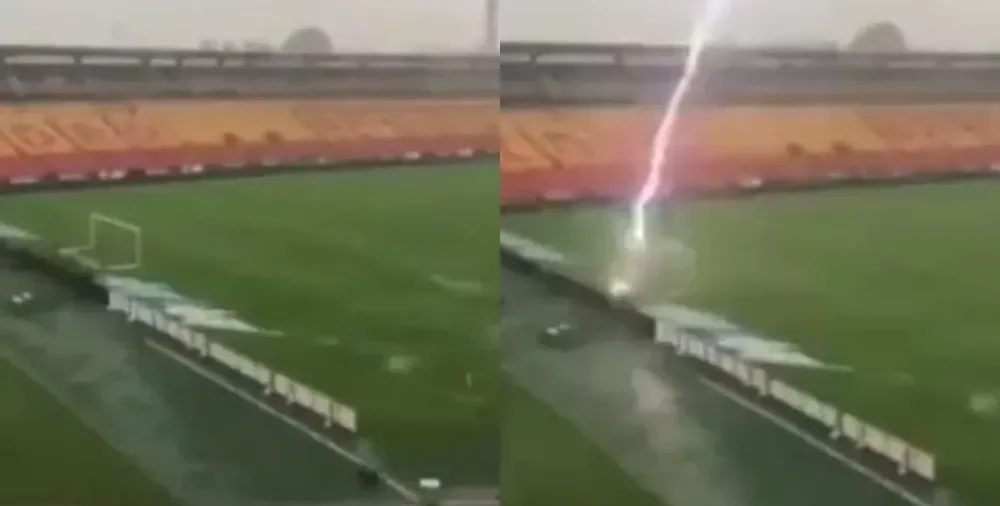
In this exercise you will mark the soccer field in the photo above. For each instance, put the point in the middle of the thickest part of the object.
(881, 301)
(94, 416)
(378, 287)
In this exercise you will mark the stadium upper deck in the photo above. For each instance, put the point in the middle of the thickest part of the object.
(36, 72)
(529, 73)
(74, 114)
(567, 73)
(848, 117)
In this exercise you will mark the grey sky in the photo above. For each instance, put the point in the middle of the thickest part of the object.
(400, 25)
(390, 25)
(941, 24)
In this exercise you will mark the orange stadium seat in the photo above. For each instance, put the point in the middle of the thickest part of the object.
(600, 150)
(596, 149)
(571, 152)
(744, 132)
(936, 138)
(67, 138)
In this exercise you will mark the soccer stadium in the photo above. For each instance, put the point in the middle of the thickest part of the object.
(237, 278)
(260, 277)
(809, 318)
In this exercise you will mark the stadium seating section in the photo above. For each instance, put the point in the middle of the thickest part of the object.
(600, 152)
(548, 153)
(76, 140)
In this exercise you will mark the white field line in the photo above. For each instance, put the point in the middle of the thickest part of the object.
(455, 285)
(461, 287)
(814, 442)
(397, 486)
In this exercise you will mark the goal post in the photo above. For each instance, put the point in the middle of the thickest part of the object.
(112, 244)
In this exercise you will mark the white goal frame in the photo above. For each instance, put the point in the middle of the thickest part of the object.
(84, 252)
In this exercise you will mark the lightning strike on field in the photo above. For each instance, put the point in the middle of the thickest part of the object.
(659, 174)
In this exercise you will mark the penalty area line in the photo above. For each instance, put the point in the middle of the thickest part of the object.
(302, 428)
(814, 442)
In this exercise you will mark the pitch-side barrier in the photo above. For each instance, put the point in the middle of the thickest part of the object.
(36, 254)
(269, 381)
(907, 459)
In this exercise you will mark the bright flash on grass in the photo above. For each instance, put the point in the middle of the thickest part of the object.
(618, 287)
(628, 267)
(659, 179)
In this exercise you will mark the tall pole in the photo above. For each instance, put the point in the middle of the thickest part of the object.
(492, 32)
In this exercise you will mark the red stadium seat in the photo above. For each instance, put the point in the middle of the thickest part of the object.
(83, 138)
(601, 151)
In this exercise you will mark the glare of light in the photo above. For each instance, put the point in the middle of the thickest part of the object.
(619, 287)
(628, 267)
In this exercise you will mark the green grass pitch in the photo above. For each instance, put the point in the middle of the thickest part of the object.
(900, 285)
(355, 268)
(381, 283)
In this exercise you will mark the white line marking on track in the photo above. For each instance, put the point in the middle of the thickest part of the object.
(812, 441)
(461, 287)
(397, 486)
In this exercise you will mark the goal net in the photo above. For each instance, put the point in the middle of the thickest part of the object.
(112, 244)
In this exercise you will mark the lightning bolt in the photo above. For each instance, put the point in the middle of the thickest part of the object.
(659, 179)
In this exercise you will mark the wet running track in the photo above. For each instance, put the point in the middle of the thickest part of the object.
(676, 433)
(200, 442)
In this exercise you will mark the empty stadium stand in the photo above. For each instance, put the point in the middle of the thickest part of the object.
(47, 73)
(597, 152)
(85, 114)
(555, 147)
(76, 140)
